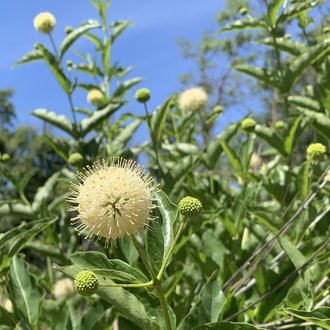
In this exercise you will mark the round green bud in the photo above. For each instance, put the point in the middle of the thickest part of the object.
(5, 157)
(248, 124)
(243, 11)
(218, 109)
(86, 283)
(315, 151)
(68, 29)
(75, 159)
(142, 95)
(280, 124)
(326, 29)
(190, 206)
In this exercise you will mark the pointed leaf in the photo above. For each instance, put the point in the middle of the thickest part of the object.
(32, 56)
(244, 24)
(98, 117)
(291, 139)
(125, 86)
(24, 292)
(285, 45)
(273, 9)
(227, 326)
(75, 34)
(305, 102)
(232, 157)
(271, 138)
(60, 121)
(118, 28)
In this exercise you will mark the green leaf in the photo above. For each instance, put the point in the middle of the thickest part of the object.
(299, 64)
(244, 24)
(271, 138)
(96, 260)
(209, 306)
(5, 319)
(227, 326)
(296, 9)
(60, 121)
(15, 239)
(16, 209)
(44, 192)
(169, 213)
(118, 28)
(214, 149)
(54, 66)
(125, 303)
(32, 56)
(273, 9)
(285, 45)
(305, 102)
(291, 138)
(232, 157)
(304, 179)
(245, 152)
(319, 316)
(158, 119)
(97, 117)
(320, 121)
(75, 34)
(125, 86)
(261, 74)
(24, 292)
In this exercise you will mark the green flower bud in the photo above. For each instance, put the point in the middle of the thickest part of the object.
(326, 29)
(218, 109)
(75, 159)
(243, 11)
(86, 283)
(5, 157)
(248, 124)
(142, 95)
(280, 124)
(68, 29)
(190, 206)
(315, 151)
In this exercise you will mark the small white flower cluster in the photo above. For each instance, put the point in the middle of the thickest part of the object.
(193, 99)
(112, 200)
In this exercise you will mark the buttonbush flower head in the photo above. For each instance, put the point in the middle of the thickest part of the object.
(75, 159)
(5, 157)
(255, 161)
(142, 95)
(63, 288)
(315, 151)
(243, 11)
(95, 97)
(86, 282)
(248, 124)
(113, 199)
(190, 206)
(6, 304)
(193, 99)
(44, 22)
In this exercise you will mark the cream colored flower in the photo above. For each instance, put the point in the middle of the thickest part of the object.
(193, 99)
(6, 304)
(255, 161)
(95, 97)
(113, 200)
(44, 22)
(63, 288)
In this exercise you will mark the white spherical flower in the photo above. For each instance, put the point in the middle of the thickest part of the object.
(6, 304)
(63, 288)
(112, 200)
(193, 99)
(255, 161)
(44, 22)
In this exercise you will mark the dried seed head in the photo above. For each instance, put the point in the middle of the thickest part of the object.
(112, 200)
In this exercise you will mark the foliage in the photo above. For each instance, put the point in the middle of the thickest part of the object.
(255, 257)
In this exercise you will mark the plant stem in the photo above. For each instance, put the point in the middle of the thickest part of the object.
(54, 46)
(155, 282)
(169, 253)
(129, 285)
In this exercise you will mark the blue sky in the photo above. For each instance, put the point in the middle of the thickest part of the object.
(150, 46)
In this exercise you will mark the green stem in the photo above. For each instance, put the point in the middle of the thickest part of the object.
(169, 253)
(155, 146)
(155, 282)
(54, 46)
(129, 285)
